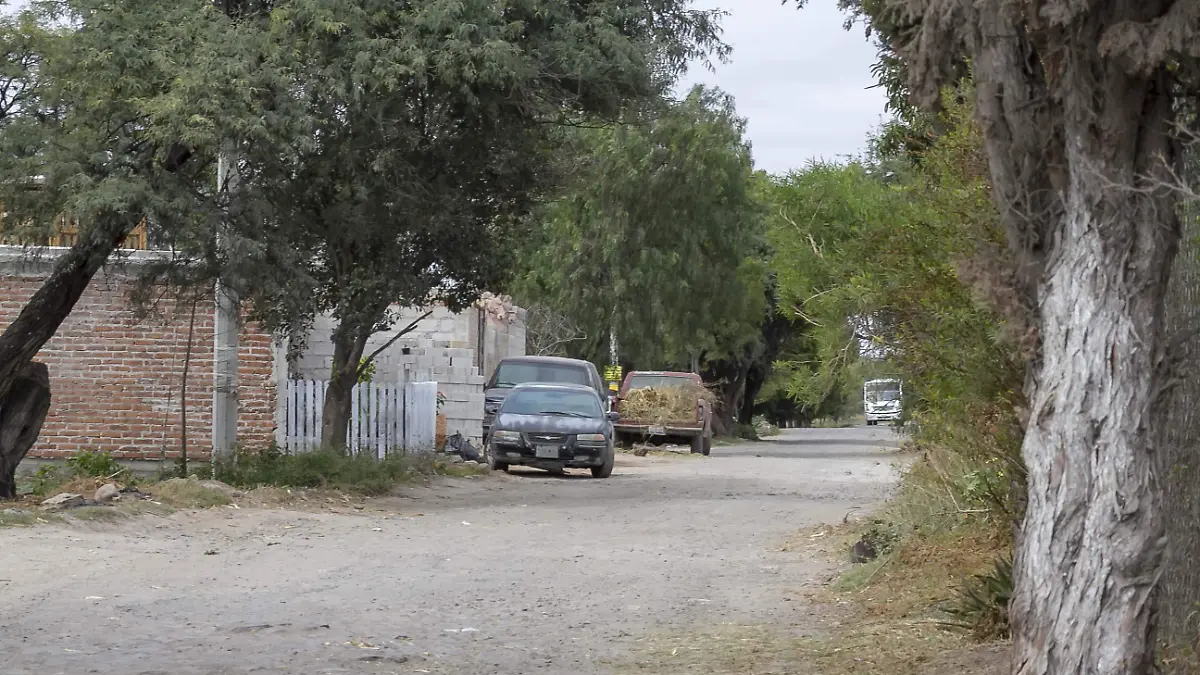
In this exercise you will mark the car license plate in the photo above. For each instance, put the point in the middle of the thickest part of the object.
(546, 452)
(658, 431)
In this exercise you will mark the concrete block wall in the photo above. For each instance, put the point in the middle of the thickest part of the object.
(500, 340)
(443, 348)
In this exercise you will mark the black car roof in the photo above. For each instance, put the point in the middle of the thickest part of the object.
(553, 385)
(546, 359)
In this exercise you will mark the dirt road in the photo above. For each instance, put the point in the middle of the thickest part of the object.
(499, 575)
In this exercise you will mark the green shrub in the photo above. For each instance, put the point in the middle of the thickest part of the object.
(363, 474)
(883, 536)
(745, 431)
(46, 480)
(981, 603)
(94, 464)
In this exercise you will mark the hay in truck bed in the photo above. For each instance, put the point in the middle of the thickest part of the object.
(664, 407)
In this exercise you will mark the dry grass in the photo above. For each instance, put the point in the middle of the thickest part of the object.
(879, 617)
(850, 650)
(893, 621)
(663, 405)
(725, 650)
(1179, 660)
(190, 493)
(17, 514)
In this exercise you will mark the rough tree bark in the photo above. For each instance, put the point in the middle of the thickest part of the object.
(756, 377)
(349, 344)
(730, 374)
(1078, 130)
(1179, 440)
(22, 413)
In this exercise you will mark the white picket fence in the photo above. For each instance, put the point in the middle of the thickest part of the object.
(392, 417)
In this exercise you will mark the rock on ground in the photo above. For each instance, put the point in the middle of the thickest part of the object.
(65, 500)
(107, 493)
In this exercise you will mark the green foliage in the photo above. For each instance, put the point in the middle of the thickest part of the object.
(981, 603)
(118, 115)
(882, 536)
(659, 237)
(47, 479)
(366, 370)
(361, 474)
(94, 464)
(412, 139)
(898, 262)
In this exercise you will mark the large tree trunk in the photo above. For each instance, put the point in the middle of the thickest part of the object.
(1179, 441)
(731, 397)
(1091, 545)
(22, 412)
(756, 377)
(349, 342)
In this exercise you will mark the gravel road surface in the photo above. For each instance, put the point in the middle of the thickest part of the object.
(502, 574)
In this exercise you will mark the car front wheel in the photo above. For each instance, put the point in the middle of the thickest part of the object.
(605, 470)
(492, 463)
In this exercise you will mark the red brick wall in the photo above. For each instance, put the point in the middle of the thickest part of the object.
(116, 381)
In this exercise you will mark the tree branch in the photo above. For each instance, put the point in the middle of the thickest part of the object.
(405, 331)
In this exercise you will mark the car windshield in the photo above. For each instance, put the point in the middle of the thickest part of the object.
(658, 381)
(552, 402)
(512, 374)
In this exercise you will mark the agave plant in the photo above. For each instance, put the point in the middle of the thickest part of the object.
(981, 603)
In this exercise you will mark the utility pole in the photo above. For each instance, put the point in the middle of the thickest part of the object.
(225, 334)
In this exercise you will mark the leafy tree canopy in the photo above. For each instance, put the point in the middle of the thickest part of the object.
(659, 239)
(416, 136)
(893, 263)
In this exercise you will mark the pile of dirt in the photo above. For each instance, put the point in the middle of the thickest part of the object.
(663, 405)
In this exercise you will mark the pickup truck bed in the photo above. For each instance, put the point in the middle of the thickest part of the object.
(696, 432)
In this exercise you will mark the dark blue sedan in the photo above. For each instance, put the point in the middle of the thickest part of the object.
(552, 427)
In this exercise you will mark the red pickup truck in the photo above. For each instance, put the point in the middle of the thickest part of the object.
(695, 430)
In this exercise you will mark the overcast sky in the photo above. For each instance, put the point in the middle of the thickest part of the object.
(800, 80)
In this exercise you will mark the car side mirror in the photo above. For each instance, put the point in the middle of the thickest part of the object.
(614, 416)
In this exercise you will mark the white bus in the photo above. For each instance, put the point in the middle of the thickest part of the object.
(882, 401)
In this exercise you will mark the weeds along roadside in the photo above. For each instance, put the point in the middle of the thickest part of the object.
(208, 485)
(930, 572)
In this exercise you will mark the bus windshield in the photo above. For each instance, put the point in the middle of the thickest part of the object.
(878, 392)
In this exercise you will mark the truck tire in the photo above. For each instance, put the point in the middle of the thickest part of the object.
(698, 445)
(707, 445)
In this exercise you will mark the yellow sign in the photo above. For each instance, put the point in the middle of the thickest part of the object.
(612, 373)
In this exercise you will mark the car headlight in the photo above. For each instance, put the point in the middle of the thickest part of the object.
(506, 436)
(590, 438)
